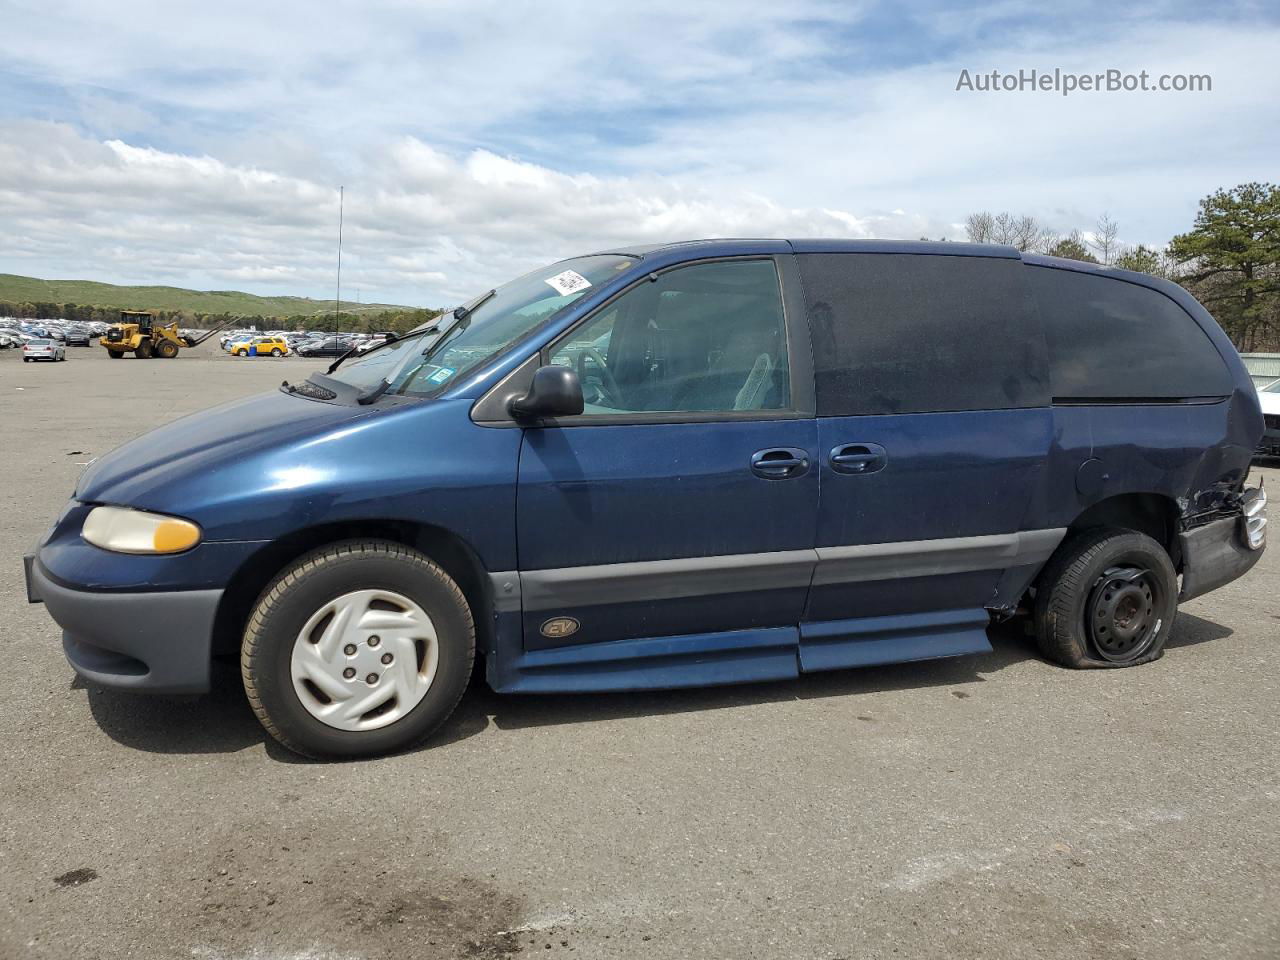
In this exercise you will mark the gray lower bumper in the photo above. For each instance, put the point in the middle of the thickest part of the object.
(148, 642)
(1214, 555)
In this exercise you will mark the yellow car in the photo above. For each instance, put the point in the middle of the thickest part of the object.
(260, 347)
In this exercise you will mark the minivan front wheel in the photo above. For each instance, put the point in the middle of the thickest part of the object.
(357, 649)
(1107, 599)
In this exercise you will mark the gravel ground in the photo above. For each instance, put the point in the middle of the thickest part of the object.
(993, 806)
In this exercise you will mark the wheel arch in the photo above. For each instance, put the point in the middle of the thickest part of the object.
(1154, 514)
(454, 555)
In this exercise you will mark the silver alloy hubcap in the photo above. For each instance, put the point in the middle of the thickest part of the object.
(364, 660)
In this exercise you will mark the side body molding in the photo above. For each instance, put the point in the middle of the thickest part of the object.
(926, 558)
(741, 656)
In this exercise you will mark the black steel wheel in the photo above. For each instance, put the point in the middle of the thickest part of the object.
(1122, 617)
(1107, 598)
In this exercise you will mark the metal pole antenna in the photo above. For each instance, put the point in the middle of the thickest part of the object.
(337, 299)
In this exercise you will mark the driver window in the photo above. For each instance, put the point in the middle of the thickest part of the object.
(704, 338)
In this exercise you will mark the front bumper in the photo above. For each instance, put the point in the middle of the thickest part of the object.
(155, 642)
(1215, 554)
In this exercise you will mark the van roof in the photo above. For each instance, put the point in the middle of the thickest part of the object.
(727, 246)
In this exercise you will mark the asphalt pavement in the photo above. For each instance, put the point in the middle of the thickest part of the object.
(988, 807)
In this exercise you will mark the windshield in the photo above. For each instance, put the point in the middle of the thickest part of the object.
(1272, 387)
(426, 360)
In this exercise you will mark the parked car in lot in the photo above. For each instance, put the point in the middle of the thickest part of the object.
(328, 347)
(364, 346)
(43, 350)
(710, 462)
(296, 340)
(1269, 398)
(77, 337)
(260, 347)
(226, 340)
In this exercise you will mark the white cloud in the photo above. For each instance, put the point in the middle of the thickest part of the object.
(203, 145)
(424, 226)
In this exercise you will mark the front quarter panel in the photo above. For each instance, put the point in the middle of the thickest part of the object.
(423, 462)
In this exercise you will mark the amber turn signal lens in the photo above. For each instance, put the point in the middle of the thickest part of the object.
(123, 530)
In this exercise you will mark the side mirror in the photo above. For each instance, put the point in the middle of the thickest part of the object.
(555, 392)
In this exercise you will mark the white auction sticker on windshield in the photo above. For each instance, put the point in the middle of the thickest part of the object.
(568, 282)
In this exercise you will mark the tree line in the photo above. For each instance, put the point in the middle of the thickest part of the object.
(1229, 259)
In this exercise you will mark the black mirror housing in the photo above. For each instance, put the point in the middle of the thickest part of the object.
(555, 392)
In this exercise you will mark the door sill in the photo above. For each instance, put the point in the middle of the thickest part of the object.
(653, 663)
(868, 641)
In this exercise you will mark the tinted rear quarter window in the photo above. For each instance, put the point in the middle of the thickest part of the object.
(1114, 340)
(910, 333)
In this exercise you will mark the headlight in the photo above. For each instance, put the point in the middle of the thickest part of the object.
(122, 530)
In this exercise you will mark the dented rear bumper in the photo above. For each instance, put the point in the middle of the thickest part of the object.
(1223, 550)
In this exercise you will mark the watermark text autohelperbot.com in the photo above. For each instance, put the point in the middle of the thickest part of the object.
(1065, 82)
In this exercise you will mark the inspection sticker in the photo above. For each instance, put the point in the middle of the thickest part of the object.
(441, 375)
(568, 282)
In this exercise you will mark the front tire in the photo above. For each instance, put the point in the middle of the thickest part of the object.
(166, 349)
(1107, 598)
(275, 352)
(357, 649)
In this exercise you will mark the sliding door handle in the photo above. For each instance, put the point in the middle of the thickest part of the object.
(858, 458)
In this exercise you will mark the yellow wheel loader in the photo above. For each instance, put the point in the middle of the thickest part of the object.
(139, 333)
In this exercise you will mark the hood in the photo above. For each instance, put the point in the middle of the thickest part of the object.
(214, 440)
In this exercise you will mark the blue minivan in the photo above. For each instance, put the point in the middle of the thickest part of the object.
(712, 462)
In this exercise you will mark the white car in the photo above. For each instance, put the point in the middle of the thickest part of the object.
(43, 350)
(1269, 397)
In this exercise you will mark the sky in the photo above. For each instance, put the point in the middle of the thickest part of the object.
(203, 145)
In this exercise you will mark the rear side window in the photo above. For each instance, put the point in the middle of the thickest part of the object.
(1113, 340)
(912, 333)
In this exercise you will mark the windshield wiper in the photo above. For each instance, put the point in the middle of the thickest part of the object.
(459, 313)
(369, 396)
(464, 311)
(391, 338)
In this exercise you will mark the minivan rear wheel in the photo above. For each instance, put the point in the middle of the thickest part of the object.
(1107, 599)
(357, 649)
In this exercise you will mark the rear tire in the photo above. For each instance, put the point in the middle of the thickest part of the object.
(406, 608)
(1107, 598)
(275, 352)
(115, 354)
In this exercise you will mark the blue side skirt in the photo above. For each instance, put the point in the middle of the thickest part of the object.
(739, 656)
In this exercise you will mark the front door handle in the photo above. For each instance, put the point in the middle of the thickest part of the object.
(780, 463)
(858, 458)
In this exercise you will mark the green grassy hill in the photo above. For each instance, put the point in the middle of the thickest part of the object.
(17, 289)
